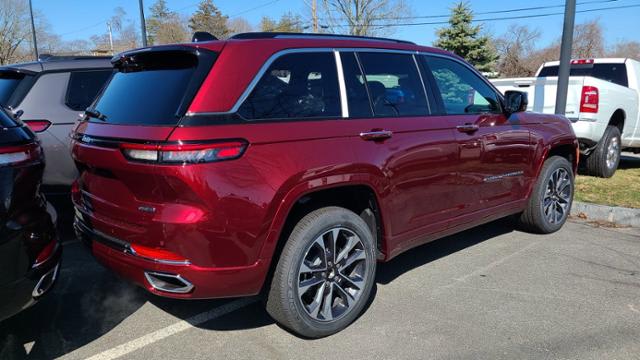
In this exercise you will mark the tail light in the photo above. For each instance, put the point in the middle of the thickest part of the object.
(46, 253)
(20, 154)
(590, 100)
(184, 153)
(38, 126)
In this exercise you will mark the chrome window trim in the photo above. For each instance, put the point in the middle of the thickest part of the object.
(344, 104)
(278, 54)
(424, 87)
(275, 56)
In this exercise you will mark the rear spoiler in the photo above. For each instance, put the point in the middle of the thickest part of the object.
(9, 69)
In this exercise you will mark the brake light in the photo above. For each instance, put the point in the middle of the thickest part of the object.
(38, 126)
(184, 153)
(20, 154)
(590, 99)
(157, 254)
(582, 62)
(46, 253)
(75, 187)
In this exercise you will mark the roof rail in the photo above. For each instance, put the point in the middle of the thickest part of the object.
(49, 57)
(291, 35)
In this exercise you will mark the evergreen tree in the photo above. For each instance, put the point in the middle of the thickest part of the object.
(287, 23)
(159, 14)
(208, 18)
(465, 40)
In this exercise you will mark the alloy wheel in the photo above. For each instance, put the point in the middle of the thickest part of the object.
(332, 274)
(613, 151)
(557, 197)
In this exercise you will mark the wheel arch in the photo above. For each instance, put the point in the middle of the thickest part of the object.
(568, 149)
(356, 196)
(618, 119)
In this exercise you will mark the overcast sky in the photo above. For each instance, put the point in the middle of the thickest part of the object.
(79, 19)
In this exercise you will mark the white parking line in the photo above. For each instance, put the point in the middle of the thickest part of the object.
(170, 330)
(495, 263)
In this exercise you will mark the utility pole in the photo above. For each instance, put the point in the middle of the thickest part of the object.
(33, 32)
(110, 36)
(314, 15)
(143, 24)
(565, 56)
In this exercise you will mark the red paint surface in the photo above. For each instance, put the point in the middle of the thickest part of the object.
(428, 178)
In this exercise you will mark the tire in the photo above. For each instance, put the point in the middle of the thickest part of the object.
(547, 211)
(603, 161)
(291, 301)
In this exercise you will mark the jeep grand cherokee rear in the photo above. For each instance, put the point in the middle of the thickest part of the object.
(295, 162)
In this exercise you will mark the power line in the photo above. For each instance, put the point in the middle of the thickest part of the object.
(379, 26)
(254, 8)
(506, 11)
(85, 28)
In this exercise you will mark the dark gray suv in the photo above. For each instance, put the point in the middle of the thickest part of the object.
(53, 93)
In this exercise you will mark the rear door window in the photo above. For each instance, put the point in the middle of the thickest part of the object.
(295, 86)
(84, 87)
(153, 88)
(394, 84)
(462, 91)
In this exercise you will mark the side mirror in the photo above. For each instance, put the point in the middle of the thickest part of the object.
(515, 101)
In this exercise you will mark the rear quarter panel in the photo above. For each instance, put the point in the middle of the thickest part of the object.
(284, 161)
(549, 132)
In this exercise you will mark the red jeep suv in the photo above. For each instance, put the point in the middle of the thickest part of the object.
(293, 163)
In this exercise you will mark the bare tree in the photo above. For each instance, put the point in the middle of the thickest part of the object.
(364, 17)
(172, 30)
(14, 29)
(588, 40)
(625, 49)
(515, 49)
(239, 25)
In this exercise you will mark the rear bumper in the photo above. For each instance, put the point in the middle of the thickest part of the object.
(199, 282)
(25, 292)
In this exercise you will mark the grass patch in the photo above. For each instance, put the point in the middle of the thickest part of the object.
(623, 189)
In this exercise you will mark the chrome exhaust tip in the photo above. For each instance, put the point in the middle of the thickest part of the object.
(171, 283)
(45, 283)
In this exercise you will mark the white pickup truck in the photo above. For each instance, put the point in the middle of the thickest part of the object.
(603, 104)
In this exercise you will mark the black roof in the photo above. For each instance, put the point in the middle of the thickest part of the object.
(284, 35)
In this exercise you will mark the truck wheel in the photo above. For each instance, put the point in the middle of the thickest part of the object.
(551, 198)
(604, 160)
(325, 274)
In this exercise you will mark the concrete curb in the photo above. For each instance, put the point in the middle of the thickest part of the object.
(614, 214)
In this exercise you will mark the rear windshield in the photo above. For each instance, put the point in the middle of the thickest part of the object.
(615, 73)
(9, 81)
(153, 88)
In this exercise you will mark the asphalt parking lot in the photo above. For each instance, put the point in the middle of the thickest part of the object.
(488, 293)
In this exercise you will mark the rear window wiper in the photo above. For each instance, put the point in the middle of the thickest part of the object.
(94, 113)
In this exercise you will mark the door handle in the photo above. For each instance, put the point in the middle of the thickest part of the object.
(468, 128)
(376, 135)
